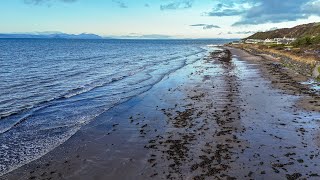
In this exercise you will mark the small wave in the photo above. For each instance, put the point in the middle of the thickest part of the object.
(15, 119)
(93, 85)
(78, 59)
(4, 126)
(214, 45)
(313, 84)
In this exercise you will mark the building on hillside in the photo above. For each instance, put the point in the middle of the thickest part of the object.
(269, 41)
(254, 41)
(237, 42)
(284, 40)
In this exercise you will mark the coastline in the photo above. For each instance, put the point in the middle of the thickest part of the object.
(290, 79)
(303, 64)
(248, 118)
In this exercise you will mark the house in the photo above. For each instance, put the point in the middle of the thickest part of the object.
(284, 40)
(269, 41)
(254, 41)
(238, 42)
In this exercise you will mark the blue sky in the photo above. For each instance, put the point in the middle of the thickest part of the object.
(156, 18)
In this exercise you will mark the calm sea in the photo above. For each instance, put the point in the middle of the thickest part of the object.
(50, 88)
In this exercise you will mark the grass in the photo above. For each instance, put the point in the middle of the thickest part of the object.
(295, 54)
(305, 59)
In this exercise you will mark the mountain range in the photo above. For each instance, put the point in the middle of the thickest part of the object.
(50, 36)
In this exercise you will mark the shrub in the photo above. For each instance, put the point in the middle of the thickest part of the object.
(307, 41)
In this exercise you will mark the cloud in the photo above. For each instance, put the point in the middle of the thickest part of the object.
(205, 26)
(253, 12)
(120, 3)
(252, 32)
(146, 5)
(229, 9)
(272, 29)
(313, 7)
(178, 4)
(274, 11)
(226, 12)
(243, 32)
(38, 2)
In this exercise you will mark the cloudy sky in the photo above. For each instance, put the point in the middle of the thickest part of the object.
(156, 18)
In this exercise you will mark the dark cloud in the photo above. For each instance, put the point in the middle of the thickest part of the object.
(205, 26)
(37, 2)
(197, 25)
(146, 5)
(274, 11)
(253, 12)
(178, 4)
(120, 3)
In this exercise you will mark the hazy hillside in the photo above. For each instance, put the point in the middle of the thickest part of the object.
(312, 29)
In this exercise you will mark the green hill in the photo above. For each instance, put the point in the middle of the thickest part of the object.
(311, 30)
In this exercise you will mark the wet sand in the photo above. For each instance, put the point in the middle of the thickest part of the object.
(248, 118)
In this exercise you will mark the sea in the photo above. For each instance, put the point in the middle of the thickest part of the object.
(50, 88)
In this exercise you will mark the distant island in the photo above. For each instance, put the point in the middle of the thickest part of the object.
(50, 36)
(61, 35)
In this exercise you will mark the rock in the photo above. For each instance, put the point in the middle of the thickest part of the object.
(316, 72)
(223, 55)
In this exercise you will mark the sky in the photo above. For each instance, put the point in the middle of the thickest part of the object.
(156, 18)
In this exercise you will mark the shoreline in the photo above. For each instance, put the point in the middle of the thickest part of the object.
(210, 119)
(279, 74)
(303, 64)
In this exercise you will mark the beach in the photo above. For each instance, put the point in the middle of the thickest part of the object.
(248, 117)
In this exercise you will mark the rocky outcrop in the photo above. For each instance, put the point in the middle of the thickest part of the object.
(222, 55)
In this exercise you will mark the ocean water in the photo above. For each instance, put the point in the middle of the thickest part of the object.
(49, 89)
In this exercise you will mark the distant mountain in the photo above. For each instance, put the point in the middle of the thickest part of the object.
(52, 36)
(312, 29)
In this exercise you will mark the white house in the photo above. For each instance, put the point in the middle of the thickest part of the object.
(269, 41)
(254, 41)
(283, 40)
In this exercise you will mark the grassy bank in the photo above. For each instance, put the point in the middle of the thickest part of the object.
(298, 59)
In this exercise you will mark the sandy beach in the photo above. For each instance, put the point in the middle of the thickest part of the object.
(248, 118)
